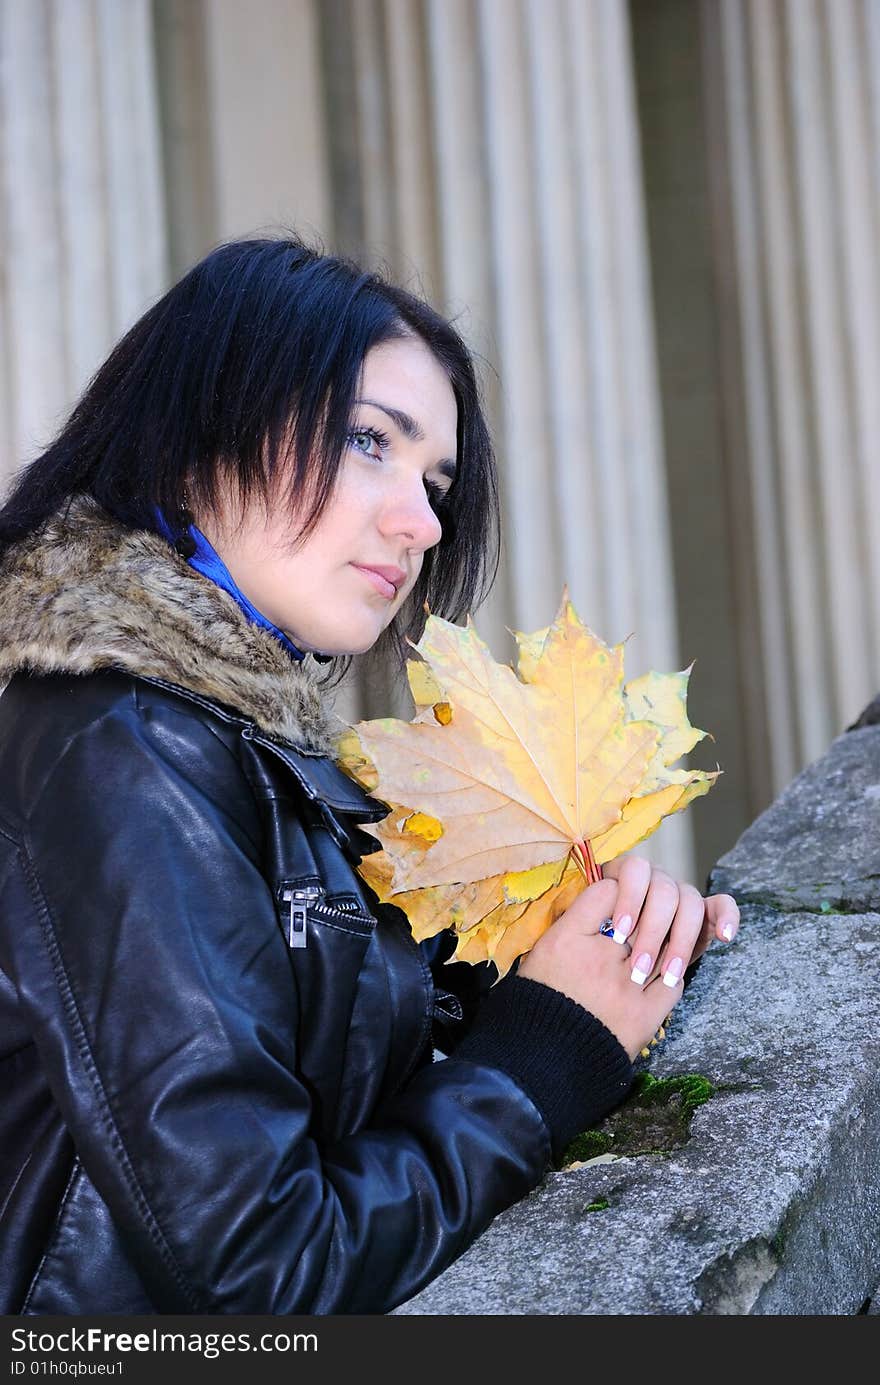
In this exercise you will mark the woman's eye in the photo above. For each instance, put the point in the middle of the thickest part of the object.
(362, 441)
(368, 441)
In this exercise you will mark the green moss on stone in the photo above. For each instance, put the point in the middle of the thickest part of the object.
(655, 1118)
(587, 1146)
(653, 1091)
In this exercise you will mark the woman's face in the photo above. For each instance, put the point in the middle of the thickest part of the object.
(341, 587)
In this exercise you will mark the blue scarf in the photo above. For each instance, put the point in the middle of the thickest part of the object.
(208, 562)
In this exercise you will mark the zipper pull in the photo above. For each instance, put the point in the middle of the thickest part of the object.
(299, 901)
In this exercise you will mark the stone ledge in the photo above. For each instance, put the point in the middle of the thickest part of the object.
(773, 1203)
(818, 845)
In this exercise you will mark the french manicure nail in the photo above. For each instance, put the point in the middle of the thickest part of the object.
(727, 932)
(642, 968)
(622, 929)
(674, 972)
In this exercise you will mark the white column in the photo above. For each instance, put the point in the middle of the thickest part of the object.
(786, 503)
(531, 520)
(854, 154)
(129, 119)
(412, 162)
(797, 102)
(85, 218)
(821, 200)
(82, 208)
(764, 643)
(463, 199)
(265, 117)
(32, 246)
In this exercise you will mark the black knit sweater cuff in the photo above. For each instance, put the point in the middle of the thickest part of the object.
(573, 1068)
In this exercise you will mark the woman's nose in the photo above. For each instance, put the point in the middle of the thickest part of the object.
(412, 516)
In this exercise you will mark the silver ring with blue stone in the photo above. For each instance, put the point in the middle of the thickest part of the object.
(606, 928)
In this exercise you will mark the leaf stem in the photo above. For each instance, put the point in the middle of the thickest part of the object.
(586, 861)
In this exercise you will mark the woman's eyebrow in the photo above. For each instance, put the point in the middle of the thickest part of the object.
(407, 425)
(410, 429)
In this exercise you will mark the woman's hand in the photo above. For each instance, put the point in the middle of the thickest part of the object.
(575, 958)
(663, 926)
(667, 923)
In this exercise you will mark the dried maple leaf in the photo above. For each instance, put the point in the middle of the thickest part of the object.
(509, 789)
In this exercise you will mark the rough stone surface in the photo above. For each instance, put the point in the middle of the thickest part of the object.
(818, 845)
(870, 716)
(772, 1205)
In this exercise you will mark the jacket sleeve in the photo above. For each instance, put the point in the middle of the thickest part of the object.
(149, 966)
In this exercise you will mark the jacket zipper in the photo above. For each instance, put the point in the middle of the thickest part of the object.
(307, 897)
(299, 901)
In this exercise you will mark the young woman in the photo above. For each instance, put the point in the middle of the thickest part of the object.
(215, 1046)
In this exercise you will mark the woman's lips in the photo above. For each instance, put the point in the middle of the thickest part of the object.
(385, 580)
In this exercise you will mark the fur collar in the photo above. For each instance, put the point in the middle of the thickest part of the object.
(86, 593)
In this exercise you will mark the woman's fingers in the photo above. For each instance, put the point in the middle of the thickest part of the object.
(592, 906)
(633, 876)
(722, 915)
(720, 920)
(705, 937)
(666, 904)
(684, 936)
(648, 900)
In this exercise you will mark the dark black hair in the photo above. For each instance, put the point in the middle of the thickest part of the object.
(260, 335)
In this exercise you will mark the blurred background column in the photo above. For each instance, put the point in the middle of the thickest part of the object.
(760, 123)
(797, 93)
(82, 215)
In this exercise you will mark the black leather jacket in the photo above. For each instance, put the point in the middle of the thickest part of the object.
(217, 1076)
(218, 1092)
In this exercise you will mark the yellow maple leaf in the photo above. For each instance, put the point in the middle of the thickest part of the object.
(509, 789)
